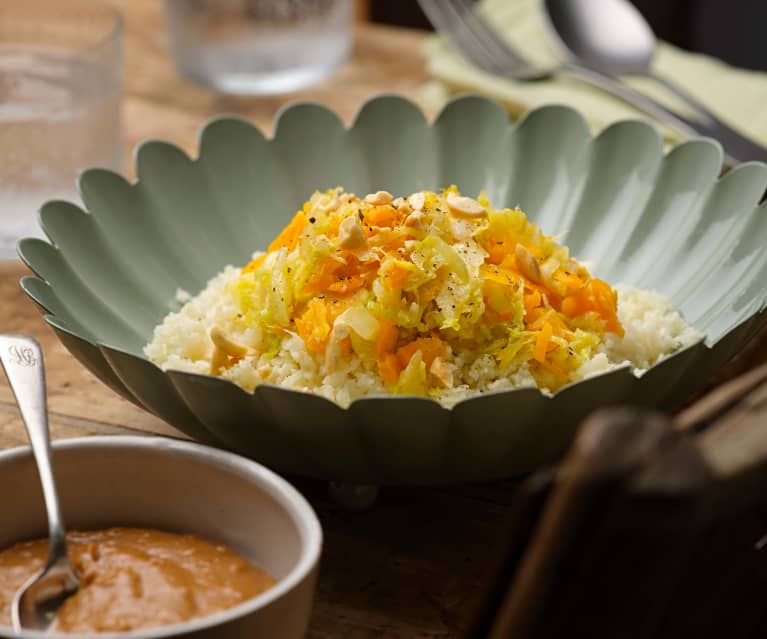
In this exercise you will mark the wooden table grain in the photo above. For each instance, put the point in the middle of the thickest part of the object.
(412, 567)
(159, 103)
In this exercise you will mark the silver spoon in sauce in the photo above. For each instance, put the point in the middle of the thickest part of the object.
(35, 604)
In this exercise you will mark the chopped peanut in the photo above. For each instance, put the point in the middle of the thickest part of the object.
(350, 233)
(417, 201)
(465, 206)
(378, 198)
(527, 264)
(224, 343)
(332, 205)
(415, 219)
(442, 371)
(224, 350)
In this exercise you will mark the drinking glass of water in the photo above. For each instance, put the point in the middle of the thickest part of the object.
(60, 82)
(259, 47)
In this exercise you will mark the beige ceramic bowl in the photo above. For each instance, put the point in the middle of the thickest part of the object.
(161, 483)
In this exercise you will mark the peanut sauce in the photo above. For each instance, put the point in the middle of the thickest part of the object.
(135, 578)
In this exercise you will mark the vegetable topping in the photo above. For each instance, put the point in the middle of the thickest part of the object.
(403, 283)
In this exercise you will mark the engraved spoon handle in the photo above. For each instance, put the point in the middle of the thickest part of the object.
(22, 360)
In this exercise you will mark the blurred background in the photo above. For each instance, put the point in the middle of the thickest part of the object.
(98, 76)
(731, 30)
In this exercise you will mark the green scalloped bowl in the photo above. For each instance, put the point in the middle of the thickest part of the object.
(109, 275)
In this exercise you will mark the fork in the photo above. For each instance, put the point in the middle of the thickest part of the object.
(479, 42)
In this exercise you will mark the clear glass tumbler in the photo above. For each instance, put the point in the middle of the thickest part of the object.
(259, 47)
(60, 83)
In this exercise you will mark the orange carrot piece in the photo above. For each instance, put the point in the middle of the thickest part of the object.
(532, 300)
(389, 368)
(497, 251)
(501, 276)
(509, 262)
(386, 340)
(575, 305)
(572, 283)
(314, 325)
(253, 264)
(291, 234)
(394, 277)
(385, 215)
(430, 348)
(508, 267)
(347, 286)
(394, 245)
(535, 319)
(323, 275)
(606, 303)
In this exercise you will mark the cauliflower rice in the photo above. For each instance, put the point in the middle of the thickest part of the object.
(435, 295)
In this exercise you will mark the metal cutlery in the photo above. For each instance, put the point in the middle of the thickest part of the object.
(36, 602)
(480, 43)
(612, 37)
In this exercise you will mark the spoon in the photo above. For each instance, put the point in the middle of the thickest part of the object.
(612, 37)
(36, 602)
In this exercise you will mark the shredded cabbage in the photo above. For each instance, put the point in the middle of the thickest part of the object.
(402, 288)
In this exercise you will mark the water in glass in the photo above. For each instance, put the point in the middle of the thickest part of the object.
(58, 114)
(259, 47)
(60, 82)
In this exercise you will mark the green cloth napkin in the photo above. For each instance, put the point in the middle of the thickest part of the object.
(739, 97)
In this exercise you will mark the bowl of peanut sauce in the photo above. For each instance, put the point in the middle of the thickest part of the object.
(170, 538)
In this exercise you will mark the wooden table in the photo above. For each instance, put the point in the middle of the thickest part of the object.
(416, 565)
(412, 567)
(159, 103)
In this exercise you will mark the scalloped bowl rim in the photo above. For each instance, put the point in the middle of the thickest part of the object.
(51, 320)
